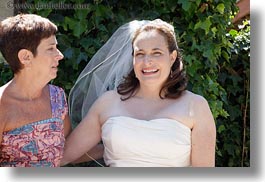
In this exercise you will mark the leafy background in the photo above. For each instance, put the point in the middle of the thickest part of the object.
(216, 55)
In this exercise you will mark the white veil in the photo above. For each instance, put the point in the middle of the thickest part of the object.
(104, 71)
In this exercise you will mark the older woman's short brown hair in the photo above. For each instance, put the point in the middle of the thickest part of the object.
(23, 31)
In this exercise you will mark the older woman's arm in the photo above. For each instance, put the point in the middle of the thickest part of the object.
(67, 126)
(2, 121)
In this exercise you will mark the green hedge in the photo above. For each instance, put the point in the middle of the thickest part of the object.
(216, 55)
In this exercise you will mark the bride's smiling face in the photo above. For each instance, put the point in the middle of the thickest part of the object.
(152, 60)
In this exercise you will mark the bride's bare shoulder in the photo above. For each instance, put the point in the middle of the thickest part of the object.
(194, 97)
(108, 97)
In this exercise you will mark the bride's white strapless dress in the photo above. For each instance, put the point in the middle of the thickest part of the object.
(131, 142)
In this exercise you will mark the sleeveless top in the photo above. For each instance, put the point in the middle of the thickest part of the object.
(37, 144)
(131, 142)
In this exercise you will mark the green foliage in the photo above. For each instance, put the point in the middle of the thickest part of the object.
(215, 55)
(5, 72)
(234, 77)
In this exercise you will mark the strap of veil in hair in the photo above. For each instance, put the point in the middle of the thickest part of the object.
(104, 71)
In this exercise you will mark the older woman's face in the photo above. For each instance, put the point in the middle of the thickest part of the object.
(47, 59)
(152, 60)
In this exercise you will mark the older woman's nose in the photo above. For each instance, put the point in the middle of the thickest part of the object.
(59, 55)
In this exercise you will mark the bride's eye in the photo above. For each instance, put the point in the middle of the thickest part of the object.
(139, 55)
(157, 54)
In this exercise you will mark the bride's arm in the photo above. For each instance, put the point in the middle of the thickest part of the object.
(84, 137)
(93, 154)
(203, 135)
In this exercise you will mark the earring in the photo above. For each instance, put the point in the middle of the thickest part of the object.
(171, 74)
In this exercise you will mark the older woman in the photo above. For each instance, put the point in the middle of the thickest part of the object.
(34, 117)
(33, 113)
(151, 120)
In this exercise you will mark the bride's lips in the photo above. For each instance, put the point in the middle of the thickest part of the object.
(149, 71)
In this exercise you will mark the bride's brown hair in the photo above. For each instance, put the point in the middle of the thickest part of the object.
(176, 82)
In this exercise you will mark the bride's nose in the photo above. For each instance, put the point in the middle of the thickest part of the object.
(147, 59)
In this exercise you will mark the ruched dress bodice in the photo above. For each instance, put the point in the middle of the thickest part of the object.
(131, 142)
(40, 143)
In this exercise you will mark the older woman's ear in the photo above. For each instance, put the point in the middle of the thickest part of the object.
(25, 57)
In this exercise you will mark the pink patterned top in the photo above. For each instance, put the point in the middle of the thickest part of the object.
(37, 144)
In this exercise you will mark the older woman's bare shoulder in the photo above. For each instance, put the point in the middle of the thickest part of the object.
(3, 108)
(1, 92)
(2, 89)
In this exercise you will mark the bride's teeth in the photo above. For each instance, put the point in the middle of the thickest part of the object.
(149, 71)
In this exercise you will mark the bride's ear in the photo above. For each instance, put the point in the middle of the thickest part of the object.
(173, 57)
(25, 57)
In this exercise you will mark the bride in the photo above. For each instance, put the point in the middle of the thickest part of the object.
(132, 95)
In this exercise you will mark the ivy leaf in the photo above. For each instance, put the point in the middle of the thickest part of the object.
(214, 31)
(81, 56)
(44, 12)
(185, 4)
(78, 1)
(70, 22)
(82, 14)
(171, 4)
(208, 54)
(80, 28)
(233, 32)
(86, 42)
(64, 41)
(205, 25)
(68, 53)
(224, 113)
(225, 55)
(219, 153)
(198, 2)
(221, 129)
(220, 7)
